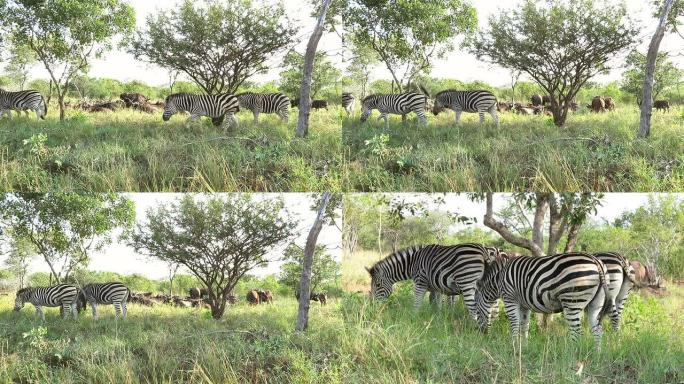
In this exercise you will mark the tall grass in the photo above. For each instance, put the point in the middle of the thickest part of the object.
(132, 151)
(592, 152)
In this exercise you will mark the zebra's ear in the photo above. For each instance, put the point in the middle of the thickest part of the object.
(369, 270)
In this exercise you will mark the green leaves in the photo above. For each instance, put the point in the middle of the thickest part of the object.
(666, 75)
(325, 75)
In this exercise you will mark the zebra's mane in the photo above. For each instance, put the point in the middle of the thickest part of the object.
(25, 289)
(408, 250)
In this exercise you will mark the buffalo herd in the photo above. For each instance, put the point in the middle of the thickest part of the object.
(539, 104)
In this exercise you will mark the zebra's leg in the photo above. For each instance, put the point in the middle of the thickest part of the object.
(495, 116)
(481, 117)
(191, 120)
(66, 308)
(513, 311)
(524, 322)
(256, 117)
(458, 116)
(93, 306)
(124, 310)
(39, 312)
(117, 310)
(385, 116)
(419, 290)
(452, 301)
(573, 316)
(469, 300)
(403, 119)
(74, 309)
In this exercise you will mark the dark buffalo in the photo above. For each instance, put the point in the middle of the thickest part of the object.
(265, 296)
(662, 105)
(253, 297)
(598, 104)
(537, 100)
(194, 293)
(610, 103)
(504, 107)
(131, 99)
(319, 104)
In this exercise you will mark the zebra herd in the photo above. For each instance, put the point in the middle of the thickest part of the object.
(571, 283)
(480, 102)
(71, 299)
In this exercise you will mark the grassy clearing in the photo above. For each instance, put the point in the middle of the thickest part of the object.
(131, 151)
(597, 152)
(395, 344)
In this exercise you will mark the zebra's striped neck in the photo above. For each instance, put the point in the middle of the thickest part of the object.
(398, 265)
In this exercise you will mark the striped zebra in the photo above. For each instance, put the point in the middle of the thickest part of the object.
(449, 270)
(22, 101)
(622, 279)
(106, 293)
(60, 295)
(348, 103)
(398, 104)
(568, 283)
(213, 106)
(466, 101)
(258, 103)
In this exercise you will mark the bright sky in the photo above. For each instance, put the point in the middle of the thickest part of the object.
(463, 66)
(120, 258)
(122, 66)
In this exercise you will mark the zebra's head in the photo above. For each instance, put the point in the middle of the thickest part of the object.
(487, 291)
(381, 284)
(170, 108)
(367, 106)
(21, 299)
(437, 106)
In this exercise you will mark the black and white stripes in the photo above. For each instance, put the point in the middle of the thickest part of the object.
(466, 101)
(621, 280)
(106, 293)
(449, 270)
(348, 103)
(259, 103)
(398, 104)
(26, 101)
(568, 283)
(214, 106)
(60, 295)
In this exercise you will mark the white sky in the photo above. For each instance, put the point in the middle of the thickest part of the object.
(463, 66)
(120, 258)
(122, 66)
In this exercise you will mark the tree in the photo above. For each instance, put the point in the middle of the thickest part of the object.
(307, 72)
(325, 270)
(665, 76)
(559, 44)
(218, 239)
(361, 67)
(408, 35)
(172, 269)
(21, 60)
(65, 228)
(66, 35)
(21, 253)
(324, 75)
(651, 61)
(217, 44)
(307, 260)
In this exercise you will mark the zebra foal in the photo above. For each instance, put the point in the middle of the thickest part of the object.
(60, 295)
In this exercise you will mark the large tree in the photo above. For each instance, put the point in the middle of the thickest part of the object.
(20, 255)
(325, 270)
(20, 61)
(218, 239)
(665, 75)
(324, 76)
(217, 44)
(65, 228)
(559, 44)
(408, 35)
(65, 35)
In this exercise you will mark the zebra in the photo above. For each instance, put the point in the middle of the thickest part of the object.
(622, 279)
(22, 101)
(106, 293)
(258, 103)
(466, 101)
(449, 270)
(398, 104)
(568, 283)
(214, 106)
(60, 295)
(348, 103)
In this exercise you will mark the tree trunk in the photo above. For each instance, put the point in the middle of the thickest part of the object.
(309, 57)
(307, 262)
(509, 236)
(651, 57)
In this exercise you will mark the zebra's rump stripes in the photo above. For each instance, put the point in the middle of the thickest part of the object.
(398, 104)
(22, 101)
(620, 276)
(568, 283)
(448, 270)
(106, 293)
(60, 295)
(277, 103)
(466, 101)
(348, 103)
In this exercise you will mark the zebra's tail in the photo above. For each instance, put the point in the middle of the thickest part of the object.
(128, 294)
(602, 274)
(425, 92)
(45, 108)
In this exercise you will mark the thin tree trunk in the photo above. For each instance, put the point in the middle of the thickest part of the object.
(506, 233)
(651, 57)
(307, 263)
(309, 57)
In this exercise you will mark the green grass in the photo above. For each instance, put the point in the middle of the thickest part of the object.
(131, 151)
(396, 344)
(598, 152)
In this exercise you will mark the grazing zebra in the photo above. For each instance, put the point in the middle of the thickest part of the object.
(466, 101)
(568, 283)
(106, 293)
(214, 106)
(398, 104)
(60, 295)
(22, 101)
(348, 103)
(265, 103)
(449, 270)
(622, 279)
